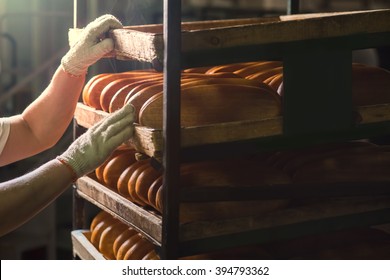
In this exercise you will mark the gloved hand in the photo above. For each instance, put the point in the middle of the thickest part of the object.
(93, 147)
(90, 48)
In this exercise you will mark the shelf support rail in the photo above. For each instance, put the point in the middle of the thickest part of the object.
(171, 128)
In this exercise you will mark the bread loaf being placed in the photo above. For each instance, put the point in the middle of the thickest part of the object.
(210, 104)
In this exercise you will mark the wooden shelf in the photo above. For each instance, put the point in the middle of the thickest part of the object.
(145, 43)
(149, 141)
(294, 218)
(83, 248)
(312, 37)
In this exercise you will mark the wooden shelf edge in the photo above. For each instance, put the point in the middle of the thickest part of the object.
(149, 140)
(145, 43)
(83, 248)
(121, 208)
(150, 225)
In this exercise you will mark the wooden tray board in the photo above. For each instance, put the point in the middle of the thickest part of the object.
(83, 248)
(121, 208)
(145, 43)
(150, 141)
(151, 225)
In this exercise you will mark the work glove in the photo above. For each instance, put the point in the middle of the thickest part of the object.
(90, 46)
(93, 147)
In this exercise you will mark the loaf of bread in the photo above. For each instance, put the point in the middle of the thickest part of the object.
(123, 180)
(139, 250)
(133, 196)
(261, 66)
(99, 228)
(121, 238)
(152, 191)
(108, 237)
(116, 166)
(210, 104)
(102, 215)
(232, 67)
(127, 245)
(151, 255)
(144, 182)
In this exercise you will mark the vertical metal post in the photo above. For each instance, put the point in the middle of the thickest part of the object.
(292, 7)
(171, 128)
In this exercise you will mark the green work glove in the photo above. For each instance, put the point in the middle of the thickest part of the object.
(91, 45)
(93, 147)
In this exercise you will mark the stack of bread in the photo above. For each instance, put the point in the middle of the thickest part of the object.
(118, 241)
(141, 183)
(223, 93)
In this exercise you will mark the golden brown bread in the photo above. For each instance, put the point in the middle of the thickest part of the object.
(123, 180)
(144, 181)
(108, 237)
(127, 245)
(152, 191)
(265, 74)
(141, 86)
(96, 86)
(132, 184)
(229, 67)
(100, 169)
(257, 68)
(201, 70)
(121, 238)
(121, 96)
(139, 250)
(116, 166)
(110, 89)
(98, 230)
(86, 90)
(210, 104)
(151, 255)
(102, 215)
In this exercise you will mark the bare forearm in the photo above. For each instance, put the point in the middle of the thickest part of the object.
(43, 122)
(25, 196)
(50, 114)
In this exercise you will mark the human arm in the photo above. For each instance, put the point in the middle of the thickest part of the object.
(44, 121)
(23, 197)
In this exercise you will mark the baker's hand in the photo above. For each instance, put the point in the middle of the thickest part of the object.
(91, 45)
(93, 147)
